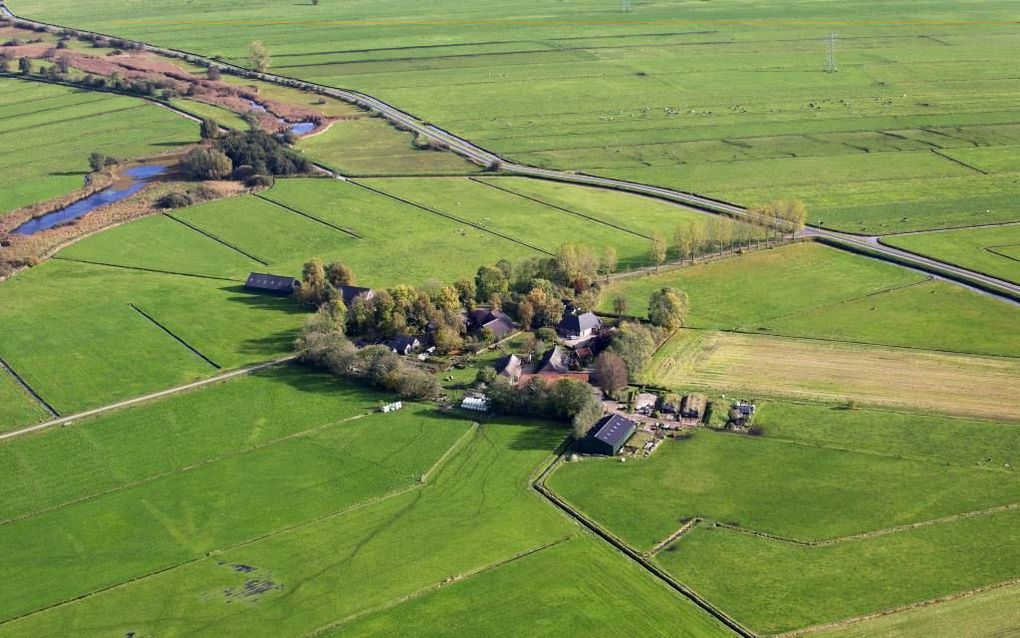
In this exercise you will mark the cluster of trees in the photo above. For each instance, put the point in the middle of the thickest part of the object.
(99, 161)
(251, 156)
(323, 344)
(401, 310)
(634, 343)
(789, 215)
(564, 400)
(533, 288)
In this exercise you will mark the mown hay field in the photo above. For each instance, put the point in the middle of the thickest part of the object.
(778, 366)
(994, 251)
(47, 133)
(988, 613)
(730, 100)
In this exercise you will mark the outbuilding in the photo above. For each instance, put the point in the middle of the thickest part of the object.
(271, 284)
(693, 406)
(579, 326)
(608, 435)
(477, 404)
(510, 367)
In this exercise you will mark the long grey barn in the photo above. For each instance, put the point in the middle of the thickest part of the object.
(608, 436)
(272, 284)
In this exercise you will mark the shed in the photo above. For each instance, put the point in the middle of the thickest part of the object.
(608, 435)
(405, 345)
(478, 404)
(693, 406)
(271, 284)
(350, 293)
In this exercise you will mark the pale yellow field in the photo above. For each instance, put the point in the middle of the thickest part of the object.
(764, 365)
(990, 613)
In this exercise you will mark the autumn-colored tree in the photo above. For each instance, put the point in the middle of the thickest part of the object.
(667, 307)
(259, 55)
(657, 251)
(610, 372)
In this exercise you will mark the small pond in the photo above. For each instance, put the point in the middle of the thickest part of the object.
(297, 128)
(135, 179)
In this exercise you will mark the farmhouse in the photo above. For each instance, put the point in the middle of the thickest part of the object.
(579, 326)
(271, 284)
(350, 293)
(693, 406)
(495, 321)
(405, 345)
(608, 436)
(554, 361)
(510, 367)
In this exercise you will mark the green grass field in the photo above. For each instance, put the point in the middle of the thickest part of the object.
(275, 481)
(817, 473)
(47, 133)
(16, 406)
(993, 251)
(772, 586)
(914, 131)
(808, 290)
(370, 146)
(801, 484)
(989, 613)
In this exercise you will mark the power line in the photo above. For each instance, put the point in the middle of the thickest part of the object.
(831, 61)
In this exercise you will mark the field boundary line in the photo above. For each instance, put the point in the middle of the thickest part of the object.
(992, 249)
(635, 556)
(796, 633)
(27, 388)
(311, 217)
(459, 220)
(949, 229)
(216, 239)
(428, 589)
(213, 552)
(541, 202)
(69, 419)
(941, 153)
(181, 470)
(675, 536)
(837, 540)
(924, 279)
(473, 429)
(169, 332)
(143, 269)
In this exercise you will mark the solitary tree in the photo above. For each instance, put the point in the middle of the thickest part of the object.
(340, 275)
(5, 65)
(608, 262)
(620, 305)
(259, 55)
(657, 251)
(25, 66)
(210, 129)
(610, 372)
(213, 73)
(682, 238)
(667, 307)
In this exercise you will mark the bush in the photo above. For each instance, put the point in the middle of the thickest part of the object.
(98, 161)
(175, 200)
(206, 163)
(260, 181)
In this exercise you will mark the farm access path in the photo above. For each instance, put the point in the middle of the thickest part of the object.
(71, 418)
(870, 246)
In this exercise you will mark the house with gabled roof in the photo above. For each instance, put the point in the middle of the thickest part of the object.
(350, 293)
(579, 326)
(510, 367)
(495, 321)
(554, 361)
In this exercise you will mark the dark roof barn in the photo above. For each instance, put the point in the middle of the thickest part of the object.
(350, 293)
(273, 284)
(579, 325)
(608, 435)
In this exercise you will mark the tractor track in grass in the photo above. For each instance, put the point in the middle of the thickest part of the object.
(863, 245)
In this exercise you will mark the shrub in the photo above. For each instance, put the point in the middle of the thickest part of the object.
(98, 161)
(206, 163)
(260, 181)
(175, 200)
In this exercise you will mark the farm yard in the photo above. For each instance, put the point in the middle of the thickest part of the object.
(343, 381)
